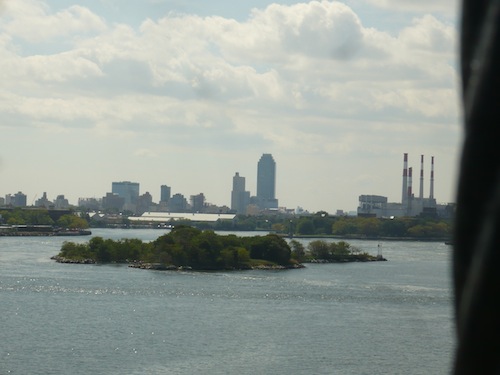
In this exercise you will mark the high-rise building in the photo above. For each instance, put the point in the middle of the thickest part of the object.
(61, 202)
(266, 182)
(113, 202)
(177, 203)
(239, 197)
(197, 202)
(144, 203)
(90, 203)
(43, 201)
(165, 192)
(16, 200)
(129, 191)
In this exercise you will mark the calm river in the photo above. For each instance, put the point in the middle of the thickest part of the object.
(391, 317)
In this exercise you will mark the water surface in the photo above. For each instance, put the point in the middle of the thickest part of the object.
(389, 317)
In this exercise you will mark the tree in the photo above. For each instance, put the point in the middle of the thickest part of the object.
(298, 251)
(369, 226)
(278, 228)
(71, 250)
(234, 258)
(305, 226)
(270, 247)
(72, 222)
(340, 248)
(393, 227)
(319, 249)
(322, 223)
(344, 226)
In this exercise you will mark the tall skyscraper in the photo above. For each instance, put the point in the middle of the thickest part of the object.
(266, 182)
(239, 197)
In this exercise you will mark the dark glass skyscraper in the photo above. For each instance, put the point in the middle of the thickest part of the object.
(127, 190)
(266, 182)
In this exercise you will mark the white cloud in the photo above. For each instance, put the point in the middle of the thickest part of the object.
(308, 78)
(282, 57)
(32, 21)
(60, 67)
(446, 6)
(429, 34)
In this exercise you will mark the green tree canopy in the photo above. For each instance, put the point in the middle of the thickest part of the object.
(72, 222)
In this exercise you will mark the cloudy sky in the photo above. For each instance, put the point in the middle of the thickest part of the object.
(186, 93)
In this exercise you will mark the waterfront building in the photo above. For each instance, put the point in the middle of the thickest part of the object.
(266, 182)
(240, 198)
(158, 218)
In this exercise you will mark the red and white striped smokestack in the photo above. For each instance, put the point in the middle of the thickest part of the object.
(410, 193)
(421, 195)
(431, 193)
(404, 197)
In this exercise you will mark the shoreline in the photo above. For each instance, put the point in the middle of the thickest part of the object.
(47, 234)
(371, 238)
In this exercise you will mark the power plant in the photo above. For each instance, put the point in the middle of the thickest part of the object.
(378, 206)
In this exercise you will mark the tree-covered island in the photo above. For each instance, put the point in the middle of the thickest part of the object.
(191, 248)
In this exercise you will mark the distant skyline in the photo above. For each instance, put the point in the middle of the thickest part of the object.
(186, 94)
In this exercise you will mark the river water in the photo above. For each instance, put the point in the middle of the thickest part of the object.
(391, 317)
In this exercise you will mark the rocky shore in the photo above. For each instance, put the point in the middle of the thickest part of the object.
(41, 233)
(350, 259)
(164, 267)
(60, 259)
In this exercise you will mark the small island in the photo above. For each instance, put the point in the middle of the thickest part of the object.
(190, 248)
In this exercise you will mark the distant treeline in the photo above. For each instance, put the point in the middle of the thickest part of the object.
(320, 223)
(41, 216)
(323, 224)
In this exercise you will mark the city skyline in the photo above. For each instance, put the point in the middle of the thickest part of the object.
(185, 94)
(127, 195)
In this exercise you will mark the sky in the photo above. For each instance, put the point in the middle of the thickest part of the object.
(187, 93)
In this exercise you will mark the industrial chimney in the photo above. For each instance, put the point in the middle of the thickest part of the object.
(410, 193)
(431, 193)
(421, 195)
(404, 197)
